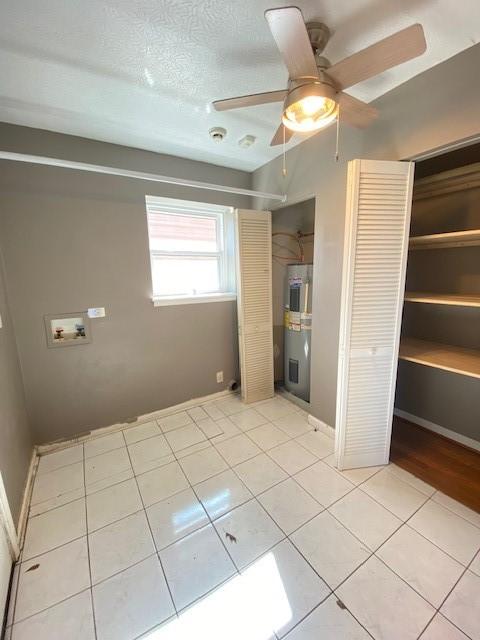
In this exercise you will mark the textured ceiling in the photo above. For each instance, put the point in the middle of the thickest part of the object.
(143, 73)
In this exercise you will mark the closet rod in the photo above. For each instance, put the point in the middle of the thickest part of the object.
(136, 175)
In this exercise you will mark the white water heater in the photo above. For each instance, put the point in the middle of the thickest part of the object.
(298, 327)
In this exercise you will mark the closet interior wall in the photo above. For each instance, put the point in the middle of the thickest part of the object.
(447, 399)
(291, 220)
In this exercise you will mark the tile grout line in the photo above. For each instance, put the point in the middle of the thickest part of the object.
(289, 476)
(439, 613)
(373, 554)
(125, 426)
(45, 473)
(430, 499)
(211, 523)
(51, 606)
(269, 421)
(151, 533)
(89, 588)
(188, 606)
(332, 594)
(254, 497)
(58, 546)
(287, 536)
(208, 442)
(192, 487)
(59, 505)
(155, 627)
(92, 604)
(440, 504)
(437, 609)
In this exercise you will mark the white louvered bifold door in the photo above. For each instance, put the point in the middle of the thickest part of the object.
(254, 303)
(379, 196)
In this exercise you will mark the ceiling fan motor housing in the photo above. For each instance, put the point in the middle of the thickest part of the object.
(319, 35)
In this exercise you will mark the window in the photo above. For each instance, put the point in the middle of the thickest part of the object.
(191, 251)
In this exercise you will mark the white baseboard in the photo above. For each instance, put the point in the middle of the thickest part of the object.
(102, 431)
(27, 494)
(319, 425)
(7, 525)
(436, 428)
(294, 399)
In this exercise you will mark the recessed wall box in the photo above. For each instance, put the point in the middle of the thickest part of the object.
(67, 329)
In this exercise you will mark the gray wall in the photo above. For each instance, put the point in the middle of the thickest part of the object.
(74, 240)
(446, 399)
(15, 437)
(437, 108)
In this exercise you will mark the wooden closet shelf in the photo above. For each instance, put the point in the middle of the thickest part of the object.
(441, 356)
(449, 240)
(457, 299)
(440, 184)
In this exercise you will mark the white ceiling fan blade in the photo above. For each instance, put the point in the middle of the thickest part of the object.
(279, 135)
(385, 54)
(355, 112)
(250, 101)
(290, 33)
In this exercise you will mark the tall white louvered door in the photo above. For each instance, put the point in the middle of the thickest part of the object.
(379, 196)
(254, 303)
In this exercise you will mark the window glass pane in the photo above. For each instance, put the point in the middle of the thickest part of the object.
(174, 232)
(177, 275)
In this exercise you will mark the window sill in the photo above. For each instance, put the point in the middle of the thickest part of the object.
(178, 300)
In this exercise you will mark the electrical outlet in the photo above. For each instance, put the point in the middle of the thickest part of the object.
(219, 376)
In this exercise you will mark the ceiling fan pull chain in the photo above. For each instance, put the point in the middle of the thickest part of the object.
(337, 135)
(284, 156)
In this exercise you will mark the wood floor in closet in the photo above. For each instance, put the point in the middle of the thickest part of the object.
(448, 466)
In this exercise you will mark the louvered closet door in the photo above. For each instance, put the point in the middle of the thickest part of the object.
(379, 196)
(254, 300)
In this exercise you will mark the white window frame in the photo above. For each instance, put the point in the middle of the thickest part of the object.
(225, 255)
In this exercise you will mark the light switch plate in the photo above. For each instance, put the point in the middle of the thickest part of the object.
(96, 312)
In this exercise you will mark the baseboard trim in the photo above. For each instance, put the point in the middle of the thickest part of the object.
(319, 425)
(436, 428)
(27, 494)
(57, 445)
(7, 525)
(294, 399)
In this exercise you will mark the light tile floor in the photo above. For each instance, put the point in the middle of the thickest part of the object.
(231, 522)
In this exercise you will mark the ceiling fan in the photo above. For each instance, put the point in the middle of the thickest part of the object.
(315, 91)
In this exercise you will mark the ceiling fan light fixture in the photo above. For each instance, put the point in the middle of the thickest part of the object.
(310, 106)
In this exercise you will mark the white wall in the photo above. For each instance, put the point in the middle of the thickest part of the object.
(435, 109)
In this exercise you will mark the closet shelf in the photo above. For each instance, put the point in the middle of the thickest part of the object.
(449, 240)
(447, 182)
(457, 299)
(441, 356)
